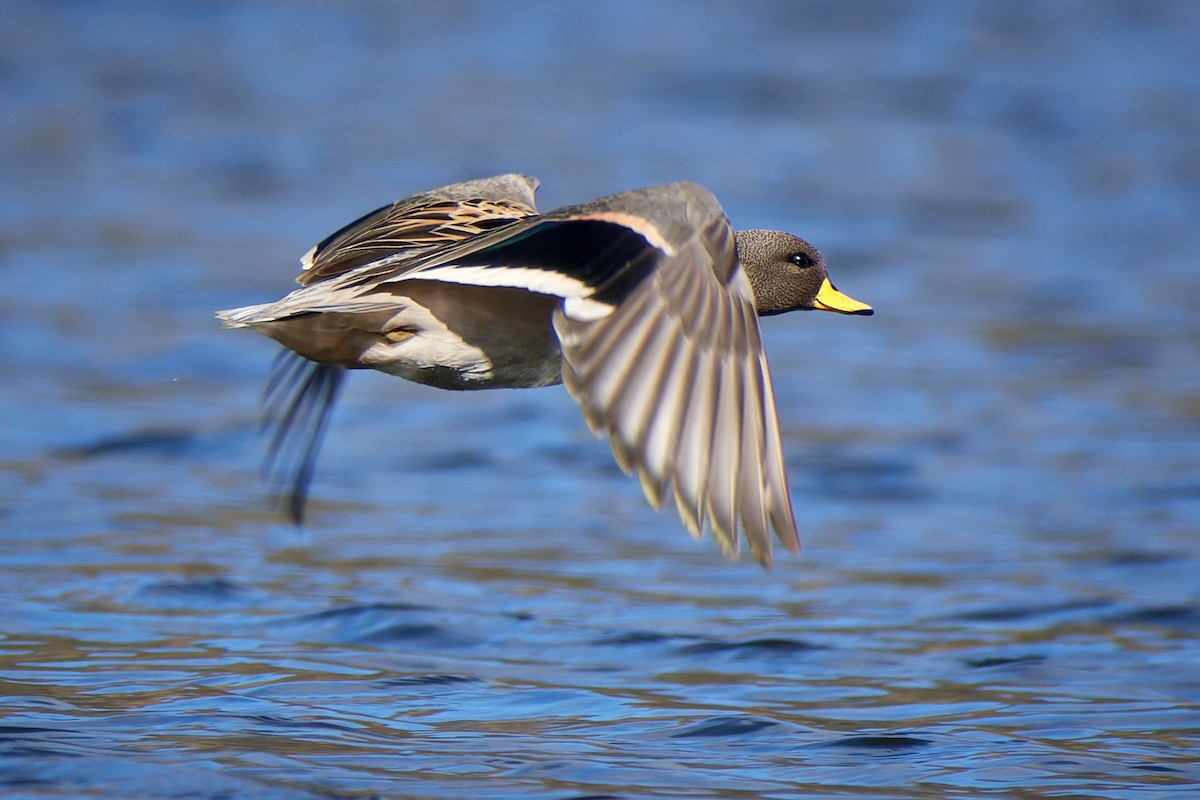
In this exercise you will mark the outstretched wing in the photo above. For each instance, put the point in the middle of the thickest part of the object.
(297, 403)
(677, 378)
(301, 394)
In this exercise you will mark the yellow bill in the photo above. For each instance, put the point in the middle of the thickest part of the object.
(830, 299)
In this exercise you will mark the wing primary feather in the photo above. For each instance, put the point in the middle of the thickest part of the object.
(572, 383)
(615, 347)
(622, 452)
(778, 493)
(600, 377)
(285, 368)
(751, 475)
(661, 436)
(693, 459)
(636, 404)
(299, 403)
(722, 478)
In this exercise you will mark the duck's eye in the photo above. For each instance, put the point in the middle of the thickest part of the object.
(803, 260)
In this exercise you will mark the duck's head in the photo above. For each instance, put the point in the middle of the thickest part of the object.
(788, 274)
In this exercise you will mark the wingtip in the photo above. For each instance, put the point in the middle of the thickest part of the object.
(765, 558)
(723, 534)
(728, 544)
(689, 515)
(653, 487)
(295, 510)
(624, 455)
(786, 530)
(306, 261)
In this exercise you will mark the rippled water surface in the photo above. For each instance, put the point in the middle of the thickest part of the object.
(997, 476)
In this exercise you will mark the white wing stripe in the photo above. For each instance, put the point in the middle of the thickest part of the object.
(542, 281)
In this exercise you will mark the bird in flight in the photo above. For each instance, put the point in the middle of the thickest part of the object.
(644, 304)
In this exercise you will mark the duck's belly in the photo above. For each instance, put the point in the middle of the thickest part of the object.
(468, 337)
(449, 362)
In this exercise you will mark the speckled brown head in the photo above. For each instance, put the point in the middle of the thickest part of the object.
(788, 274)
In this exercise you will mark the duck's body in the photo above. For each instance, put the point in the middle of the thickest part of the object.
(469, 337)
(505, 341)
(641, 302)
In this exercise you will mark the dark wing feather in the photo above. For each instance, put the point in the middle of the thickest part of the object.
(401, 231)
(421, 223)
(297, 402)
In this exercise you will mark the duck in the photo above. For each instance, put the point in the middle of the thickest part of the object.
(643, 304)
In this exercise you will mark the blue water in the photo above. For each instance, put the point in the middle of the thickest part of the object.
(997, 477)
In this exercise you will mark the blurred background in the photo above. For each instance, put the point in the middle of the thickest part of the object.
(997, 477)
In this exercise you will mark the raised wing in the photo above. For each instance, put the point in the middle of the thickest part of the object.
(421, 223)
